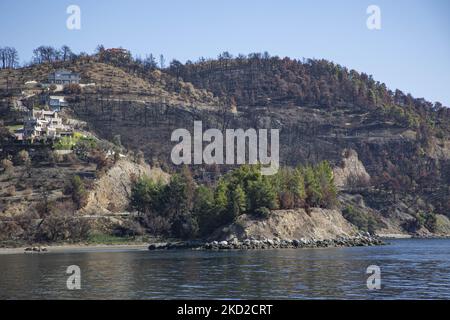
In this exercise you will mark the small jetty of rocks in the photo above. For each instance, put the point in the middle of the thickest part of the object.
(275, 243)
(35, 249)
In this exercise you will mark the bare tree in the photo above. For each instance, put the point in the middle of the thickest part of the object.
(9, 57)
(45, 54)
(66, 53)
(150, 62)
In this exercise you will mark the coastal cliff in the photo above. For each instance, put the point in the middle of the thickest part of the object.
(283, 229)
(111, 192)
(320, 224)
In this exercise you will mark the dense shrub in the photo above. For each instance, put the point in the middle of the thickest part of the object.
(28, 222)
(360, 219)
(262, 212)
(72, 88)
(156, 224)
(431, 222)
(8, 166)
(23, 157)
(146, 195)
(128, 228)
(420, 220)
(10, 230)
(184, 226)
(59, 224)
(77, 190)
(62, 226)
(305, 186)
(173, 202)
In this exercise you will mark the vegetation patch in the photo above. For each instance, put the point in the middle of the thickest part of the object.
(363, 220)
(183, 209)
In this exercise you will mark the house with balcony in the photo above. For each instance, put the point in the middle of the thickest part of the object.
(63, 77)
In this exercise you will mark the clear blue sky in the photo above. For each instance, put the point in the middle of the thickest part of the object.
(410, 52)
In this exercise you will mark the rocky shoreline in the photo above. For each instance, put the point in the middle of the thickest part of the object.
(275, 243)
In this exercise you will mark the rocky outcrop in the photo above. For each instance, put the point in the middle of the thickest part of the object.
(111, 192)
(319, 224)
(282, 229)
(351, 171)
(275, 243)
(442, 225)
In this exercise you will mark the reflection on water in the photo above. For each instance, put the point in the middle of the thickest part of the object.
(417, 269)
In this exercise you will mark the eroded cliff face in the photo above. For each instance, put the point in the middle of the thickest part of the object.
(351, 171)
(319, 224)
(381, 212)
(111, 192)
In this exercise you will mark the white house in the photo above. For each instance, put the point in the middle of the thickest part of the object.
(42, 124)
(56, 102)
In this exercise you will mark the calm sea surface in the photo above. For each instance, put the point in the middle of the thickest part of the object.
(417, 269)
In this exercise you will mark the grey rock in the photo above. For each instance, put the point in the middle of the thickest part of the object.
(158, 246)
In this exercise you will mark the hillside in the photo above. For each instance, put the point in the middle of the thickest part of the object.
(398, 145)
(262, 80)
(323, 108)
(109, 81)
